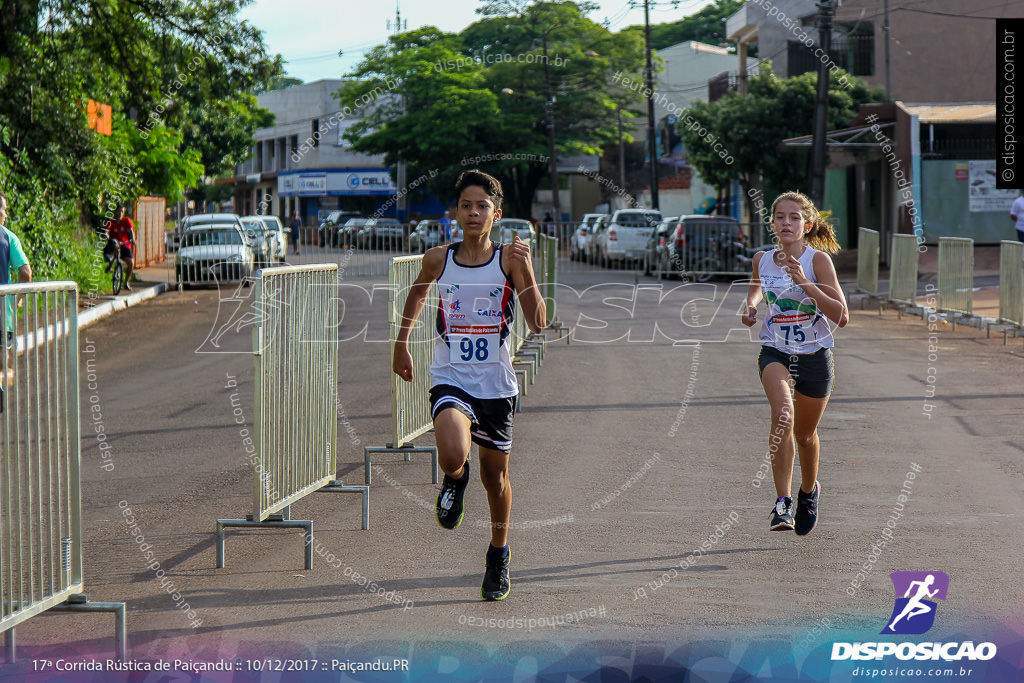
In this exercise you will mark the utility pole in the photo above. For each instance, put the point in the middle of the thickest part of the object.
(652, 145)
(401, 207)
(885, 31)
(549, 111)
(821, 105)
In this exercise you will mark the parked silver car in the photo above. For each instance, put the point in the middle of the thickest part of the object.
(427, 235)
(380, 233)
(264, 244)
(214, 252)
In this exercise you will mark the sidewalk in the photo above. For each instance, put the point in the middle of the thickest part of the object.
(985, 300)
(152, 281)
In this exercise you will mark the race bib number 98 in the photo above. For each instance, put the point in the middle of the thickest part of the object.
(475, 346)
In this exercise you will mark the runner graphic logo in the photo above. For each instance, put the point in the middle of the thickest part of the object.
(916, 592)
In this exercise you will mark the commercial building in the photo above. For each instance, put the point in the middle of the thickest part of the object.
(303, 163)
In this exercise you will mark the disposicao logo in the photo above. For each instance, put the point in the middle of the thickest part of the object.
(912, 614)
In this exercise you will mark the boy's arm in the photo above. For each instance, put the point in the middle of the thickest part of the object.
(754, 295)
(430, 270)
(519, 266)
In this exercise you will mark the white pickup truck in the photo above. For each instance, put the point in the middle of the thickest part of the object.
(626, 237)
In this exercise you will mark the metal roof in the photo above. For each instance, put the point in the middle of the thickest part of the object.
(953, 113)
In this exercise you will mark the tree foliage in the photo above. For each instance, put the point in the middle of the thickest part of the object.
(706, 26)
(179, 78)
(739, 136)
(446, 103)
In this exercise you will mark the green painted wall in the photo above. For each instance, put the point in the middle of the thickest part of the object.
(946, 208)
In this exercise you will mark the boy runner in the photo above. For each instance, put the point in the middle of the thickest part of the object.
(473, 386)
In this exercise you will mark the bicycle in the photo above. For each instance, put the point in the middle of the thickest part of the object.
(117, 280)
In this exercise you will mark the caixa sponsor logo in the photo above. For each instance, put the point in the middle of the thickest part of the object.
(948, 652)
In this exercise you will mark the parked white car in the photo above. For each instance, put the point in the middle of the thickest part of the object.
(274, 225)
(507, 229)
(212, 252)
(627, 235)
(579, 242)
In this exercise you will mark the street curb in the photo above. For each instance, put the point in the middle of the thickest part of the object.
(107, 308)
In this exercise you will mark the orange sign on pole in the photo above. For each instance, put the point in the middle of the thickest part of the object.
(101, 117)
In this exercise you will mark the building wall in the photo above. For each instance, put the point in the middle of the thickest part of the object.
(947, 208)
(933, 57)
(306, 135)
(684, 80)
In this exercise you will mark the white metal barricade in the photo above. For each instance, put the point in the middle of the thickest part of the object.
(410, 401)
(867, 261)
(40, 480)
(956, 275)
(903, 270)
(295, 349)
(1011, 287)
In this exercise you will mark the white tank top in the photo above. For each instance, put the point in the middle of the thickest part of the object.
(793, 323)
(476, 305)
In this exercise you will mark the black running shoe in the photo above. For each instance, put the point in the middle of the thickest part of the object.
(782, 515)
(496, 583)
(807, 510)
(449, 507)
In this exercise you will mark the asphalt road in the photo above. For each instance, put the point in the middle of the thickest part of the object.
(631, 451)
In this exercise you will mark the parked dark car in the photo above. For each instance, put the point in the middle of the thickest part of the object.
(331, 226)
(703, 246)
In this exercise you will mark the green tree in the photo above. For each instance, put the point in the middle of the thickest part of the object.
(739, 136)
(706, 26)
(486, 89)
(179, 78)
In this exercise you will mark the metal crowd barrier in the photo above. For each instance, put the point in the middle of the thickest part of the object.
(867, 261)
(903, 272)
(40, 486)
(1011, 287)
(548, 275)
(295, 349)
(956, 275)
(410, 401)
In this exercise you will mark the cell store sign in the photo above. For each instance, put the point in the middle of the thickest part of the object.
(305, 184)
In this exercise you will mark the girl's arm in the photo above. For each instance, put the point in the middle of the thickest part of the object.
(753, 292)
(826, 293)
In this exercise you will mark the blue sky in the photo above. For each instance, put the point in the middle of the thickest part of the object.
(310, 34)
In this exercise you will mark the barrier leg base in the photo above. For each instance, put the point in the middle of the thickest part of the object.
(80, 603)
(337, 487)
(407, 450)
(273, 523)
(530, 357)
(10, 651)
(560, 328)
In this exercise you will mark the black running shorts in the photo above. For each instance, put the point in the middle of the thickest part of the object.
(813, 373)
(491, 417)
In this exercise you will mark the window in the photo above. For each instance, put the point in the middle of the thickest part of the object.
(853, 52)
